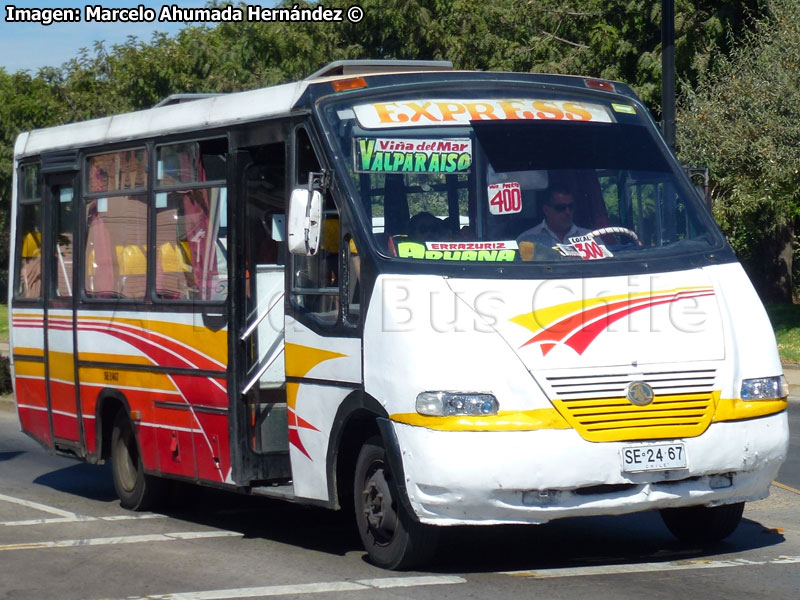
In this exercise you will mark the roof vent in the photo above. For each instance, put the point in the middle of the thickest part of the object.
(181, 98)
(367, 67)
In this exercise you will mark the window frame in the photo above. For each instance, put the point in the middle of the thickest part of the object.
(83, 230)
(223, 184)
(19, 238)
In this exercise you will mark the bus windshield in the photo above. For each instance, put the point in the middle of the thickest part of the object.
(555, 177)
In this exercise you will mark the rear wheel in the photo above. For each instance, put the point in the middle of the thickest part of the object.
(391, 537)
(703, 524)
(136, 490)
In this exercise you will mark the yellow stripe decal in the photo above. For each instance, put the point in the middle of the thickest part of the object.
(28, 351)
(212, 343)
(735, 409)
(299, 361)
(23, 368)
(62, 366)
(524, 420)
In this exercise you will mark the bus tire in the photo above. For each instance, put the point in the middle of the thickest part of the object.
(703, 524)
(135, 489)
(391, 537)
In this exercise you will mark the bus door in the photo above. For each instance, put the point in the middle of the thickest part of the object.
(260, 442)
(59, 309)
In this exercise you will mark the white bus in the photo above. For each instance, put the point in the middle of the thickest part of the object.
(430, 297)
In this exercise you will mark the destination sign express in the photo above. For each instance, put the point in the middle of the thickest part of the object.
(396, 155)
(420, 113)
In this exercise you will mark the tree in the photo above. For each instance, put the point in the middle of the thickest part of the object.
(743, 122)
(613, 39)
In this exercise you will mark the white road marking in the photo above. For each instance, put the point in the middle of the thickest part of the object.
(307, 588)
(42, 507)
(128, 539)
(395, 582)
(80, 519)
(681, 565)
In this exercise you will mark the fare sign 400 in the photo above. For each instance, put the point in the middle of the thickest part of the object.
(505, 198)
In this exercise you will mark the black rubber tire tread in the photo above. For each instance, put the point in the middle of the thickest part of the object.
(141, 491)
(412, 543)
(703, 524)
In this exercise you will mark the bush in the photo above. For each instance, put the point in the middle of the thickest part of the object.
(5, 376)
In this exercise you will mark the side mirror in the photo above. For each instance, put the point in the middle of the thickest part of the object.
(305, 221)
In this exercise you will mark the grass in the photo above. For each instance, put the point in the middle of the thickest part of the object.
(3, 322)
(786, 323)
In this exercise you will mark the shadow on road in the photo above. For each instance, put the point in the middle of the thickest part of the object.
(582, 542)
(10, 455)
(88, 481)
(587, 541)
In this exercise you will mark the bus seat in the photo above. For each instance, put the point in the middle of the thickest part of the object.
(170, 259)
(171, 272)
(132, 263)
(32, 244)
(131, 260)
(330, 236)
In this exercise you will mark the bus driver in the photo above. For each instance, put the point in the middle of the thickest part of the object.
(557, 226)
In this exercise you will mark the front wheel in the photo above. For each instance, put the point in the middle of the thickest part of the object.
(391, 537)
(703, 524)
(136, 490)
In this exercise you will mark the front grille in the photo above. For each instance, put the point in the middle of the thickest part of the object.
(596, 406)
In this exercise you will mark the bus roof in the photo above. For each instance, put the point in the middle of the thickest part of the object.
(217, 110)
(207, 113)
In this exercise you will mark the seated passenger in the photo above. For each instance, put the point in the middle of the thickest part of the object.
(557, 226)
(424, 226)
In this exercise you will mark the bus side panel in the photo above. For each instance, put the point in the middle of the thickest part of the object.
(62, 394)
(29, 373)
(208, 405)
(171, 372)
(212, 448)
(321, 372)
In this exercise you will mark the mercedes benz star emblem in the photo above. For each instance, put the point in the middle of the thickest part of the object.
(639, 393)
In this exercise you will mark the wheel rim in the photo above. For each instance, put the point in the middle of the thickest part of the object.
(378, 505)
(127, 467)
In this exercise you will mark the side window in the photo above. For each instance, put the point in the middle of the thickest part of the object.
(191, 221)
(116, 224)
(61, 277)
(28, 271)
(315, 279)
(649, 204)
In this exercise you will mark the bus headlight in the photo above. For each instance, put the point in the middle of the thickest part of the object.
(446, 404)
(765, 388)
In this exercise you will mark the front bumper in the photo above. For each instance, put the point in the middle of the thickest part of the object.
(487, 478)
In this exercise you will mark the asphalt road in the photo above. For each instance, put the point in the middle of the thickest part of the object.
(63, 535)
(790, 471)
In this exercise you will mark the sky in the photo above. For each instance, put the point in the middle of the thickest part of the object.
(30, 46)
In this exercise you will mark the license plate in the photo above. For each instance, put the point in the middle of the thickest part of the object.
(657, 457)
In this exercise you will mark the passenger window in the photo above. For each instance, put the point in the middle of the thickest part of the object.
(116, 247)
(191, 221)
(28, 276)
(62, 272)
(116, 225)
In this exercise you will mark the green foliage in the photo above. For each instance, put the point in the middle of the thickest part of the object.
(786, 323)
(742, 120)
(3, 322)
(615, 39)
(6, 386)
